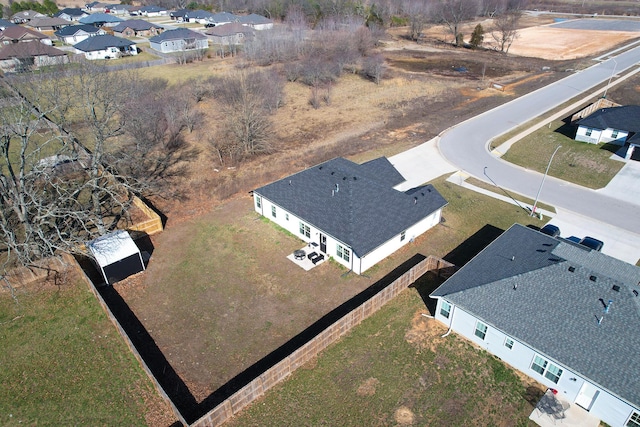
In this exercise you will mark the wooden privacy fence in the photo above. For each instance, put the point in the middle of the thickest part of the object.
(152, 223)
(281, 370)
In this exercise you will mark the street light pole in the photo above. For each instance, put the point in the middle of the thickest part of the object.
(535, 203)
(615, 65)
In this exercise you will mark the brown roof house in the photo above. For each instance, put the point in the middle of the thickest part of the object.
(21, 57)
(230, 34)
(136, 27)
(18, 34)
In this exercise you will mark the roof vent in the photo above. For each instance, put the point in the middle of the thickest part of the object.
(572, 269)
(616, 288)
(333, 173)
(320, 168)
(344, 178)
(593, 278)
(635, 292)
(415, 200)
(355, 178)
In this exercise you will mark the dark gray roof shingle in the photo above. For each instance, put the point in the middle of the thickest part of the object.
(102, 42)
(177, 34)
(73, 29)
(522, 284)
(626, 118)
(349, 202)
(135, 25)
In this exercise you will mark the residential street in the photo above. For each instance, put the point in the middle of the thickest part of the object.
(466, 147)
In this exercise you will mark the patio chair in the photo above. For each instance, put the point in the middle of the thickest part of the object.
(312, 255)
(317, 259)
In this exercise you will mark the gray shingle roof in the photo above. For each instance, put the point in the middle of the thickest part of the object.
(254, 19)
(352, 202)
(28, 50)
(135, 25)
(555, 310)
(73, 29)
(102, 42)
(177, 34)
(71, 11)
(626, 118)
(99, 18)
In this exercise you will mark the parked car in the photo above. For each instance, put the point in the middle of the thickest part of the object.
(592, 243)
(550, 230)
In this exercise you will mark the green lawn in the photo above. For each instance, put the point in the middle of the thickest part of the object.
(584, 164)
(63, 363)
(395, 369)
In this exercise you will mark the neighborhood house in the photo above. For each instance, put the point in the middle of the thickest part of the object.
(105, 47)
(615, 125)
(178, 40)
(351, 211)
(564, 314)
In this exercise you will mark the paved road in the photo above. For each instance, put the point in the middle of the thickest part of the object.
(466, 147)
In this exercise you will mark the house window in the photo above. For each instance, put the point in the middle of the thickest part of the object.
(481, 330)
(343, 253)
(403, 235)
(614, 134)
(634, 420)
(588, 132)
(258, 202)
(445, 309)
(304, 229)
(546, 369)
(273, 211)
(508, 343)
(286, 216)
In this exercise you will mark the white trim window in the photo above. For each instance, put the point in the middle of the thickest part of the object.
(403, 235)
(546, 369)
(445, 309)
(508, 342)
(634, 420)
(305, 230)
(273, 211)
(614, 134)
(588, 132)
(481, 330)
(343, 252)
(258, 202)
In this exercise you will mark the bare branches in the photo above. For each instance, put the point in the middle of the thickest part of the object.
(505, 29)
(453, 12)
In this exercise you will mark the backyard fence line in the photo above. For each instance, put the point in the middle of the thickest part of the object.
(71, 261)
(281, 370)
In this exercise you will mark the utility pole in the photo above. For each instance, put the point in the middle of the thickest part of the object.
(535, 203)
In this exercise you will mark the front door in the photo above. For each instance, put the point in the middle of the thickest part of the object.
(323, 243)
(587, 396)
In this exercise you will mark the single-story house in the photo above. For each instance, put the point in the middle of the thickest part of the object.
(565, 315)
(614, 125)
(136, 27)
(71, 14)
(77, 33)
(151, 11)
(26, 16)
(120, 9)
(178, 40)
(19, 57)
(48, 24)
(116, 256)
(180, 14)
(229, 34)
(351, 211)
(98, 6)
(101, 20)
(200, 16)
(255, 21)
(220, 18)
(19, 34)
(106, 47)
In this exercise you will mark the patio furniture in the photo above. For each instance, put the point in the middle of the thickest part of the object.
(551, 406)
(312, 255)
(299, 254)
(317, 259)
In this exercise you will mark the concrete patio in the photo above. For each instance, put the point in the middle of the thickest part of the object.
(304, 262)
(553, 411)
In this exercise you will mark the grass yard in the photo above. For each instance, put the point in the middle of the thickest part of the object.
(223, 277)
(584, 164)
(396, 369)
(521, 199)
(63, 363)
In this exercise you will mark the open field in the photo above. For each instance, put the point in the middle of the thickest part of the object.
(63, 363)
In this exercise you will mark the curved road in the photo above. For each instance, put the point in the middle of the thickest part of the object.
(466, 146)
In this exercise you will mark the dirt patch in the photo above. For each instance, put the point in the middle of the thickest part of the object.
(368, 388)
(404, 416)
(425, 332)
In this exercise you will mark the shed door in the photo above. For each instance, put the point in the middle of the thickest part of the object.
(323, 243)
(586, 397)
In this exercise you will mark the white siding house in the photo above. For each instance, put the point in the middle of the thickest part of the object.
(615, 125)
(350, 211)
(536, 302)
(178, 40)
(105, 47)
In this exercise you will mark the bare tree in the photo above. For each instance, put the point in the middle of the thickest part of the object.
(373, 67)
(454, 12)
(505, 29)
(419, 12)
